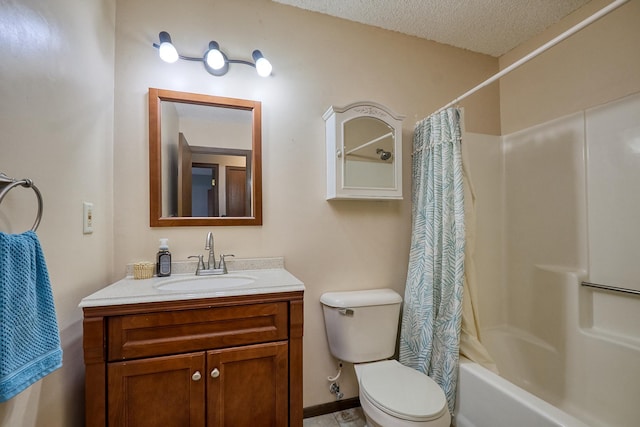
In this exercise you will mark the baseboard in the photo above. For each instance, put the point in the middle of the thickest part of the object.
(328, 408)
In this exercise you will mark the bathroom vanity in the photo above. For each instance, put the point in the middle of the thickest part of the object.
(175, 352)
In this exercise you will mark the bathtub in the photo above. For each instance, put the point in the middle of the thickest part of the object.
(569, 358)
(488, 400)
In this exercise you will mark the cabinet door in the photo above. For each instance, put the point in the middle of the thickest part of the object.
(157, 392)
(248, 386)
(364, 152)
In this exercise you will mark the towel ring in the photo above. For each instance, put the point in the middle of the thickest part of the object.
(10, 183)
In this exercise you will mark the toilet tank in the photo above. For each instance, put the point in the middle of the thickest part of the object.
(361, 325)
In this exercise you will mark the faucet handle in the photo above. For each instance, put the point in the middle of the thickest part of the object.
(200, 262)
(223, 264)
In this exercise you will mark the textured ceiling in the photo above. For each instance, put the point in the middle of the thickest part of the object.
(492, 27)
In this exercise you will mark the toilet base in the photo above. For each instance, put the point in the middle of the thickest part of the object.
(377, 418)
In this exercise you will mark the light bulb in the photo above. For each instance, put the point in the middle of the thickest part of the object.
(214, 59)
(166, 50)
(263, 66)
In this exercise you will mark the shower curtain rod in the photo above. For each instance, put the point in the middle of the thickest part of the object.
(599, 14)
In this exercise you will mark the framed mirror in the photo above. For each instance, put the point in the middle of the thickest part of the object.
(205, 162)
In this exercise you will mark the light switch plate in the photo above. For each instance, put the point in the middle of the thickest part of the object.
(87, 217)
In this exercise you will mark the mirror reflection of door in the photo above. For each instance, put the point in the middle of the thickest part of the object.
(236, 188)
(184, 176)
(213, 182)
(204, 188)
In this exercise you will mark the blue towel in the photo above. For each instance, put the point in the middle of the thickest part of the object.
(29, 337)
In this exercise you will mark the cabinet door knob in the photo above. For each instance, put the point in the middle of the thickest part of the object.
(215, 373)
(196, 376)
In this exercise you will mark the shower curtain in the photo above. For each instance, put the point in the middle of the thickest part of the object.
(470, 345)
(431, 321)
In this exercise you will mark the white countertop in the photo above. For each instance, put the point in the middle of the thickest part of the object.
(132, 291)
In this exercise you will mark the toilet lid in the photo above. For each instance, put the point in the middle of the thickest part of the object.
(402, 392)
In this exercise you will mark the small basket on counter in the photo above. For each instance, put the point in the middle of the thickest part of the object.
(143, 270)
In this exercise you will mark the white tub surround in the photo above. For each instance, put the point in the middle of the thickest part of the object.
(559, 358)
(569, 214)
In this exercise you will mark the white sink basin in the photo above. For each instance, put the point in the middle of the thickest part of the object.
(204, 283)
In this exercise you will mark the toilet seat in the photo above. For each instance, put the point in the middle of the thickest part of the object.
(402, 392)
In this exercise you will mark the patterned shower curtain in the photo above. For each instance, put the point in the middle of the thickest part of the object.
(430, 334)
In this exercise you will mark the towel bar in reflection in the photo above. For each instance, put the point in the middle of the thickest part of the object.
(6, 184)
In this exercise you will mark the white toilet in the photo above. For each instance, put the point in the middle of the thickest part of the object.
(362, 327)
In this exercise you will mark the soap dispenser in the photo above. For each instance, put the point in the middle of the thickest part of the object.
(163, 265)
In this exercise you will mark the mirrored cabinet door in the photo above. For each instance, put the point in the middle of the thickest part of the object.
(364, 152)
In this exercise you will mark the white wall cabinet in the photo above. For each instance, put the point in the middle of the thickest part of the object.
(364, 152)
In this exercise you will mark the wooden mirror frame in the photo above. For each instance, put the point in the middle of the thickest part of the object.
(156, 96)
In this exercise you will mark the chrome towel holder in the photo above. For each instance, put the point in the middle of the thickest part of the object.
(6, 184)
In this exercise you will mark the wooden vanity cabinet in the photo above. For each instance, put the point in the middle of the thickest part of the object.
(232, 361)
(156, 391)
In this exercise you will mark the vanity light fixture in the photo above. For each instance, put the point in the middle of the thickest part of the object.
(214, 60)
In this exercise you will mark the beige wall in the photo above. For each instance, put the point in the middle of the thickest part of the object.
(56, 116)
(597, 65)
(318, 61)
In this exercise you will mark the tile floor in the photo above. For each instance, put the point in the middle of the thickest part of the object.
(347, 418)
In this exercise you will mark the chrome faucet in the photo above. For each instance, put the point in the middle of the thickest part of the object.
(210, 268)
(208, 246)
